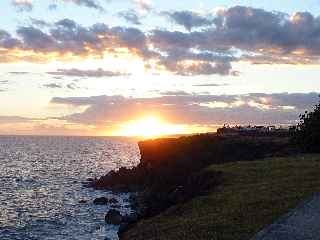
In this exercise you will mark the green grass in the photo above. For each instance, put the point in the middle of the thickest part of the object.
(253, 195)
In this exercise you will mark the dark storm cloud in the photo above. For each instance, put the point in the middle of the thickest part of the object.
(74, 72)
(189, 19)
(131, 16)
(258, 108)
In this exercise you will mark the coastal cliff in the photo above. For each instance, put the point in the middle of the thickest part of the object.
(173, 170)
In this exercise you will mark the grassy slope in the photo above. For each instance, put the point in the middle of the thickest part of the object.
(253, 195)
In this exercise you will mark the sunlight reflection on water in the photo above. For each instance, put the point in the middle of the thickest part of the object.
(41, 186)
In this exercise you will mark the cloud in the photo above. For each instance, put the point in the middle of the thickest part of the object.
(74, 72)
(23, 5)
(248, 34)
(53, 7)
(72, 86)
(7, 42)
(255, 108)
(42, 126)
(35, 39)
(174, 107)
(19, 73)
(144, 5)
(40, 23)
(3, 83)
(86, 3)
(236, 34)
(15, 119)
(131, 16)
(189, 19)
(27, 5)
(52, 85)
(67, 40)
(174, 93)
(198, 68)
(211, 85)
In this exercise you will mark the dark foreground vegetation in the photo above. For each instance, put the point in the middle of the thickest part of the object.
(307, 132)
(217, 187)
(251, 195)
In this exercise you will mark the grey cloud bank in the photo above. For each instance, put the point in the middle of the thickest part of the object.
(255, 108)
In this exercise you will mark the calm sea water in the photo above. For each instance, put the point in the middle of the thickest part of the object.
(41, 186)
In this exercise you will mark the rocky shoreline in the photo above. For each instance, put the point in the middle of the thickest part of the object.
(113, 216)
(173, 171)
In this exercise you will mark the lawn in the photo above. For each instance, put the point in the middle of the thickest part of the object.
(252, 195)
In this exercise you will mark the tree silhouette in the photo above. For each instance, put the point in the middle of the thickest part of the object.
(307, 133)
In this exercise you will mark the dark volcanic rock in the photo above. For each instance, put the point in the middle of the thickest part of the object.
(131, 218)
(172, 171)
(113, 217)
(101, 201)
(115, 206)
(123, 228)
(127, 222)
(113, 201)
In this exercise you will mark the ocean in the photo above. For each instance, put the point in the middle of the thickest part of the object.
(41, 186)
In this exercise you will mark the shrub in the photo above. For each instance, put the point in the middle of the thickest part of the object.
(307, 133)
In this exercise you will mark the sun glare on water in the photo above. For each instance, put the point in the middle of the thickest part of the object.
(150, 127)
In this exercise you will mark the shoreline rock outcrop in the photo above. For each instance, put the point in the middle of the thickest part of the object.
(113, 217)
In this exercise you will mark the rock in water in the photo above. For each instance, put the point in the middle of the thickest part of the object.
(113, 217)
(116, 206)
(113, 200)
(101, 201)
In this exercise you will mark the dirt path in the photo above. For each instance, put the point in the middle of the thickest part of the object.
(302, 223)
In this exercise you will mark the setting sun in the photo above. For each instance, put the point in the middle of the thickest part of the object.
(150, 127)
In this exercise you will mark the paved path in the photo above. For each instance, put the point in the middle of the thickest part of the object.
(302, 223)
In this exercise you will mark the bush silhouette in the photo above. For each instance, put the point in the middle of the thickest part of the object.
(307, 133)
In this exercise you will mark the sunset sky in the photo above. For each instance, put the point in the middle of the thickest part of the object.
(150, 67)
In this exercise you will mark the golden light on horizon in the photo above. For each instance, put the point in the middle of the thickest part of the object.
(150, 126)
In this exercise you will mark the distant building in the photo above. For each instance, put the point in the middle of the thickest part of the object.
(226, 130)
